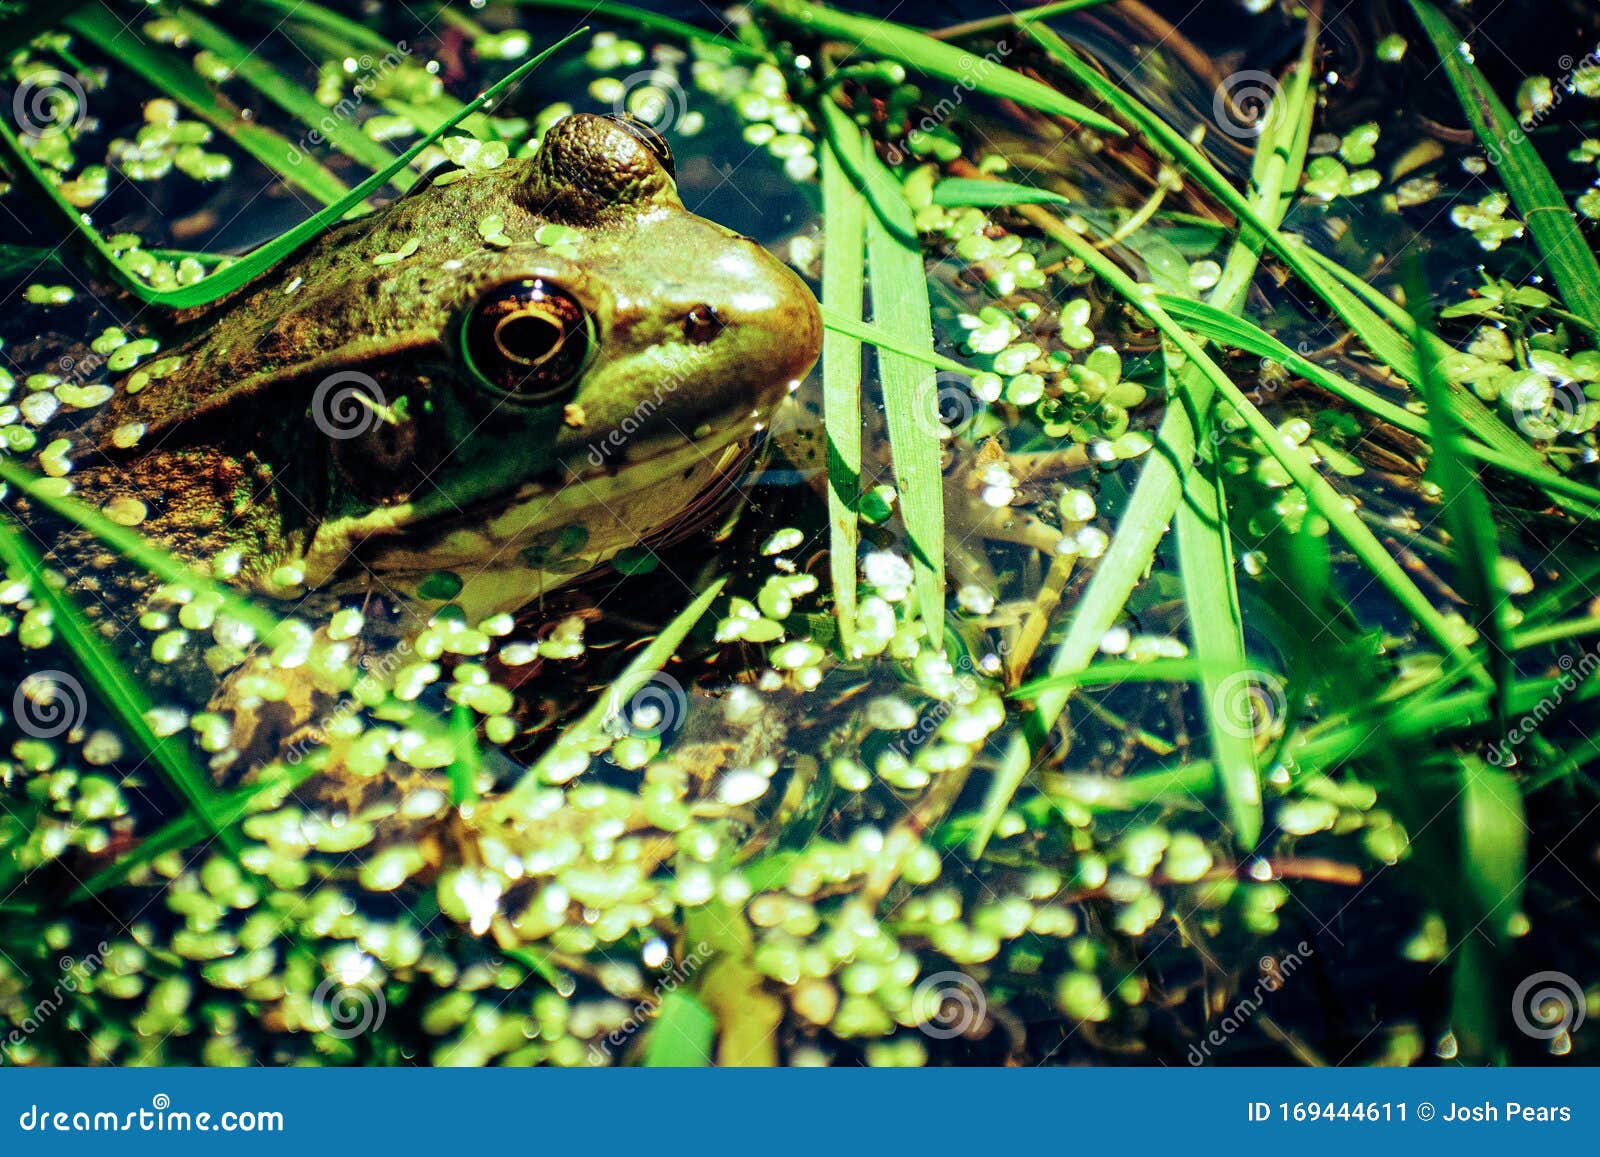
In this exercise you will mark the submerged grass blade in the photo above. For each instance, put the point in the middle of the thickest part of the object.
(588, 733)
(843, 294)
(899, 283)
(1533, 190)
(653, 22)
(922, 53)
(226, 280)
(118, 690)
(876, 335)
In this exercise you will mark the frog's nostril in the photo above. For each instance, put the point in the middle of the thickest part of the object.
(702, 324)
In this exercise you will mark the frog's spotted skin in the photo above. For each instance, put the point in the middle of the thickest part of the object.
(326, 420)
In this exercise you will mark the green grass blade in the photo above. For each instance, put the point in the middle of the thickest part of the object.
(921, 53)
(900, 307)
(247, 268)
(1533, 190)
(118, 690)
(1376, 333)
(343, 134)
(652, 22)
(958, 191)
(875, 335)
(682, 1034)
(1474, 546)
(589, 731)
(843, 294)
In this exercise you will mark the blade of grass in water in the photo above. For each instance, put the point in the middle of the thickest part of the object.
(1474, 546)
(682, 1035)
(843, 286)
(899, 283)
(1237, 333)
(172, 76)
(875, 335)
(1377, 334)
(1206, 561)
(118, 690)
(653, 22)
(247, 268)
(579, 739)
(921, 53)
(1156, 498)
(1533, 190)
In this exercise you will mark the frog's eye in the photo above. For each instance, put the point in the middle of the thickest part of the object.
(530, 339)
(651, 139)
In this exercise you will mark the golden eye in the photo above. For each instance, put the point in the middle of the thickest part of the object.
(652, 140)
(530, 339)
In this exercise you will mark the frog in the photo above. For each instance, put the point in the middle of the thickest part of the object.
(507, 376)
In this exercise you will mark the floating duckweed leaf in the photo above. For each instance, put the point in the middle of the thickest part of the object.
(406, 250)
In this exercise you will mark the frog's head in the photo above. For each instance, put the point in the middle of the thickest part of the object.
(509, 376)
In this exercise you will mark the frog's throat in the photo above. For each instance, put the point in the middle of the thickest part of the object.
(546, 533)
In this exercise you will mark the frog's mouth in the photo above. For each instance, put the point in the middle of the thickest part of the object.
(507, 549)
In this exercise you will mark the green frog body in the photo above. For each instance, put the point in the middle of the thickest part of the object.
(507, 378)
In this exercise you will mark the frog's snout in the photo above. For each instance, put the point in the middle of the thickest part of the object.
(774, 327)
